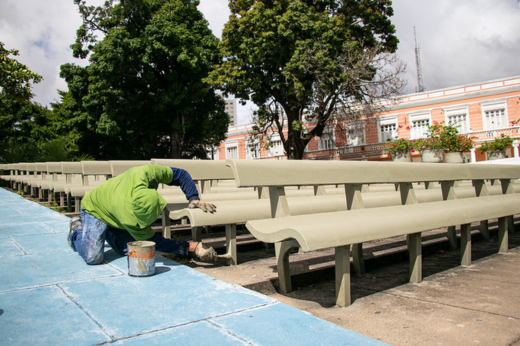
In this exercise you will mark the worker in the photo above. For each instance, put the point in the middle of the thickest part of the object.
(122, 209)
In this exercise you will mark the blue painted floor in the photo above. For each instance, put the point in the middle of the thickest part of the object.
(49, 296)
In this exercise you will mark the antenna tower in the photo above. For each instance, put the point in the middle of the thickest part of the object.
(420, 86)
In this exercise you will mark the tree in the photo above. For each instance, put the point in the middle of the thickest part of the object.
(15, 93)
(142, 94)
(307, 61)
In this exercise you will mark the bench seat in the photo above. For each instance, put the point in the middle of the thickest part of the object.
(360, 225)
(341, 229)
(232, 212)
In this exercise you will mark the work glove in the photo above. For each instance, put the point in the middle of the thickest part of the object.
(205, 253)
(202, 205)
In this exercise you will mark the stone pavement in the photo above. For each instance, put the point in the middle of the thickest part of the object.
(49, 296)
(453, 305)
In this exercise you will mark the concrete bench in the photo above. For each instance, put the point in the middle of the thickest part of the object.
(205, 173)
(37, 173)
(55, 176)
(20, 173)
(93, 173)
(358, 224)
(232, 212)
(120, 166)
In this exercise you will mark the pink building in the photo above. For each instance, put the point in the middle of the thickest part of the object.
(482, 110)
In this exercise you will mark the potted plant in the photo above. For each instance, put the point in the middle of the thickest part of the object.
(452, 142)
(401, 150)
(496, 149)
(430, 149)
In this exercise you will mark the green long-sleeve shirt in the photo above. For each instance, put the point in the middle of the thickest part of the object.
(130, 200)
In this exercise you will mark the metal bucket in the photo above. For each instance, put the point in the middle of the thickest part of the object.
(141, 258)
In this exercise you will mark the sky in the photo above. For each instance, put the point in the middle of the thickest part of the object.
(461, 41)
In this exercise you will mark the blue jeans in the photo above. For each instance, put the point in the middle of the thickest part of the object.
(89, 242)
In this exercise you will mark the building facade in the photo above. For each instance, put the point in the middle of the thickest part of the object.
(231, 110)
(483, 111)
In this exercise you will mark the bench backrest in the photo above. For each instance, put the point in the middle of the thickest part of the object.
(22, 167)
(68, 167)
(54, 167)
(119, 167)
(41, 167)
(199, 169)
(31, 167)
(96, 168)
(251, 173)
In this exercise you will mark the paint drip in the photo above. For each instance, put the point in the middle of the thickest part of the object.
(141, 258)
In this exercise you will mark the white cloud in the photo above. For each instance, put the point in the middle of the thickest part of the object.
(462, 41)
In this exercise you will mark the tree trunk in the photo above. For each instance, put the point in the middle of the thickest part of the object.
(295, 146)
(175, 144)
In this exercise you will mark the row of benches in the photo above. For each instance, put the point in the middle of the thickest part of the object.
(316, 205)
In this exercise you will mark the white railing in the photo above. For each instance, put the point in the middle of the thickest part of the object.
(494, 133)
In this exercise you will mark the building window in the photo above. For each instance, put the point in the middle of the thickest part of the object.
(326, 140)
(495, 118)
(232, 149)
(419, 128)
(276, 148)
(494, 114)
(252, 149)
(420, 122)
(460, 122)
(355, 133)
(232, 153)
(388, 132)
(458, 116)
(387, 128)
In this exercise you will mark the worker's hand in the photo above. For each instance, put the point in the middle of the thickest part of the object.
(205, 253)
(202, 205)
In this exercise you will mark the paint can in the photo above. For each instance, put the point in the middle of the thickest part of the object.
(141, 258)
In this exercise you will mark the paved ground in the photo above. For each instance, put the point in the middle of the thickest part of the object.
(48, 296)
(454, 305)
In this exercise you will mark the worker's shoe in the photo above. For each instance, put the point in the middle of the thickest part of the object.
(205, 253)
(75, 223)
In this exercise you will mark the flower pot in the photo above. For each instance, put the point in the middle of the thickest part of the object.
(457, 157)
(431, 156)
(496, 155)
(402, 157)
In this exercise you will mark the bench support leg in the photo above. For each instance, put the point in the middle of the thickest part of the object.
(76, 204)
(465, 244)
(282, 250)
(342, 256)
(503, 237)
(484, 229)
(511, 224)
(452, 237)
(357, 256)
(415, 251)
(196, 233)
(231, 244)
(69, 204)
(166, 224)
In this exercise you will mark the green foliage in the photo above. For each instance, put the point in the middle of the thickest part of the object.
(401, 146)
(142, 95)
(16, 110)
(55, 150)
(306, 60)
(15, 78)
(497, 144)
(427, 144)
(449, 138)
